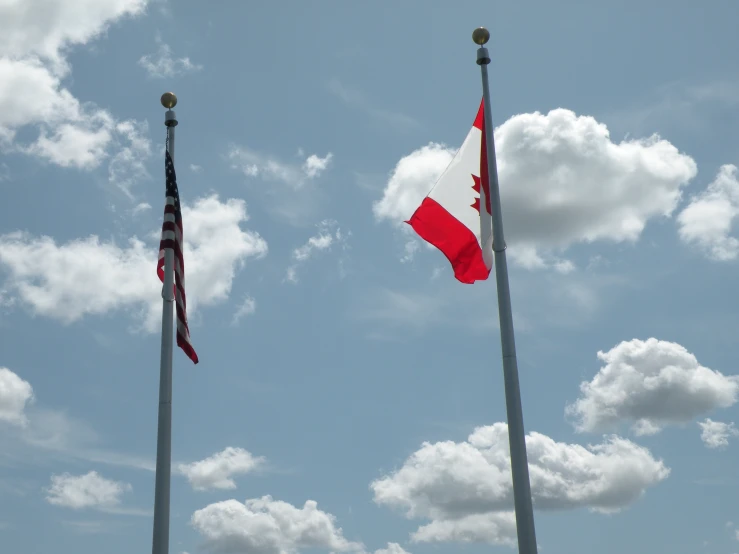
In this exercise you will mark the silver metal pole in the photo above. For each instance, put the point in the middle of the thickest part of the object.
(516, 434)
(160, 542)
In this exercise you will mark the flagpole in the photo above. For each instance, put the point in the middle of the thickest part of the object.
(516, 434)
(160, 541)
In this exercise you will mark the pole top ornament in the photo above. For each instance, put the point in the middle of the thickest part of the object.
(169, 100)
(480, 36)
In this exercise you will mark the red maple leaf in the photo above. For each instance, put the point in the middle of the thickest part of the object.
(476, 188)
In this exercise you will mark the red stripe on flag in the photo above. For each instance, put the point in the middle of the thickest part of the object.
(438, 227)
(187, 348)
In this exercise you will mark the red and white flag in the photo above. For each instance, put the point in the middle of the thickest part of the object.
(450, 217)
(172, 240)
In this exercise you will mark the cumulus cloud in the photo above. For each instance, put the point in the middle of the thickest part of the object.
(707, 221)
(218, 470)
(33, 64)
(649, 384)
(716, 434)
(563, 181)
(81, 144)
(329, 234)
(530, 257)
(465, 488)
(24, 33)
(15, 394)
(490, 528)
(267, 526)
(163, 64)
(101, 276)
(85, 491)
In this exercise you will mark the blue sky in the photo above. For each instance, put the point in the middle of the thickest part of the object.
(349, 394)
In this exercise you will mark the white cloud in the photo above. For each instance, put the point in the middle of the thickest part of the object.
(162, 64)
(218, 470)
(102, 276)
(528, 257)
(465, 488)
(247, 307)
(196, 168)
(82, 144)
(707, 220)
(651, 384)
(716, 434)
(392, 548)
(329, 234)
(319, 242)
(46, 28)
(490, 528)
(563, 181)
(29, 94)
(219, 245)
(267, 526)
(99, 277)
(35, 36)
(85, 491)
(15, 394)
(255, 164)
(314, 165)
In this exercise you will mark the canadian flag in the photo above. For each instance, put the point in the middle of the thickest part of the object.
(451, 218)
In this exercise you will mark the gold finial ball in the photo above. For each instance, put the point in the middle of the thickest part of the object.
(169, 100)
(480, 36)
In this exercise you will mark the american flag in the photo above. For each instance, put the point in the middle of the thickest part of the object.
(172, 239)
